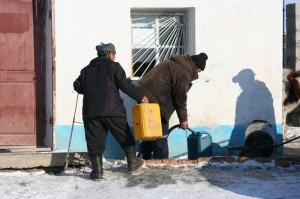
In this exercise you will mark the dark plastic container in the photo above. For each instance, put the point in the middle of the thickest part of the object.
(199, 145)
(259, 135)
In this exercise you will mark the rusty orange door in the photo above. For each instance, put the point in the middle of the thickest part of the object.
(17, 73)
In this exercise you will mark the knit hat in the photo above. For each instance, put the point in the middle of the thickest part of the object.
(200, 60)
(103, 49)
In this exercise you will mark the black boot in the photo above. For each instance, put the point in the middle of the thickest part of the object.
(134, 163)
(97, 172)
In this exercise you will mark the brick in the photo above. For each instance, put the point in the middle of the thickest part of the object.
(263, 160)
(185, 161)
(243, 159)
(118, 162)
(154, 161)
(229, 159)
(204, 159)
(217, 159)
(282, 163)
(170, 161)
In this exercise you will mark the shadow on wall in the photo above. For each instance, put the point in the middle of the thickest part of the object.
(254, 103)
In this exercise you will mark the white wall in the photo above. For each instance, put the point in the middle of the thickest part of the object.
(235, 34)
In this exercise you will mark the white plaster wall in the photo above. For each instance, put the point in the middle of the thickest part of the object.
(236, 34)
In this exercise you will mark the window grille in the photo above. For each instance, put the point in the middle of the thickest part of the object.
(155, 38)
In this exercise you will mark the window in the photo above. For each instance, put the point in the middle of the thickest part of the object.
(155, 37)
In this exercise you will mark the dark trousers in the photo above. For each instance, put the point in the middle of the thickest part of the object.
(157, 149)
(96, 133)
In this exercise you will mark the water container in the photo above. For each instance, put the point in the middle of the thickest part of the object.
(260, 133)
(199, 145)
(146, 121)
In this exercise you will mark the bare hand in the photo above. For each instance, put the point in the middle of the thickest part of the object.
(184, 125)
(145, 100)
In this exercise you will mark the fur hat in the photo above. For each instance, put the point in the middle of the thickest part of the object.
(103, 49)
(200, 60)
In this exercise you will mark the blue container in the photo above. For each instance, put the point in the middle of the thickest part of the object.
(199, 145)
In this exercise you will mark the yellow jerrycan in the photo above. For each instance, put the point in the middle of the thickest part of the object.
(146, 121)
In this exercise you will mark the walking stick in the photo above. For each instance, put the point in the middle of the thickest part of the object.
(67, 157)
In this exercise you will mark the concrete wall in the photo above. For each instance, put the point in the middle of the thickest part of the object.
(241, 38)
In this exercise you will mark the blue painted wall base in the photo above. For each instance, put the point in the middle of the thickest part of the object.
(222, 137)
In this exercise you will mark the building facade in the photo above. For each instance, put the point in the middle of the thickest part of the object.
(241, 83)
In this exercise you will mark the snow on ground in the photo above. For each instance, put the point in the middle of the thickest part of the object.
(210, 180)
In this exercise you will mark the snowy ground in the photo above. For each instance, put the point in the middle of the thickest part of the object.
(212, 180)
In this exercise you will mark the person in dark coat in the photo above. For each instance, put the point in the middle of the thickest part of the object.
(103, 108)
(167, 84)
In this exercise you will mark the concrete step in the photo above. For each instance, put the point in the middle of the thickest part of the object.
(24, 149)
(292, 149)
(24, 160)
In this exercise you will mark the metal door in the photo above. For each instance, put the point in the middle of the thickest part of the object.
(17, 73)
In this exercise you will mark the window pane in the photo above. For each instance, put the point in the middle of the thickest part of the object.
(138, 21)
(143, 61)
(143, 36)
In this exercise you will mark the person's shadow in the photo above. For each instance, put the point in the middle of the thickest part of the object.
(254, 103)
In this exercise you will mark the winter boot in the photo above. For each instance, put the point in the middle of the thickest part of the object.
(134, 163)
(97, 172)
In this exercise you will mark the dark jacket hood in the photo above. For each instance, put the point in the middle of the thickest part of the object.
(187, 63)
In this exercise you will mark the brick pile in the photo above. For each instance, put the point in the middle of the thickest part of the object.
(279, 161)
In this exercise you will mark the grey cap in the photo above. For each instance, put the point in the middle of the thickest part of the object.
(103, 49)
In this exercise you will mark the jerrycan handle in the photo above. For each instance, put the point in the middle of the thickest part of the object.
(178, 126)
